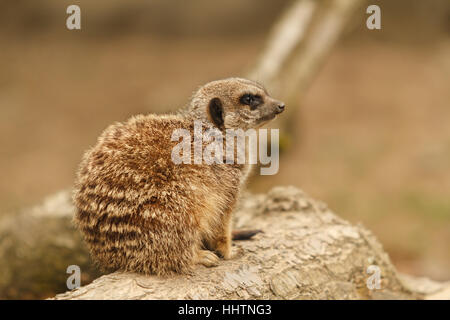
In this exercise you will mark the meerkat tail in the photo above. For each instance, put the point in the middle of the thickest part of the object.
(244, 234)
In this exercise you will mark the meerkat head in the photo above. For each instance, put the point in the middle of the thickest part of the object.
(235, 103)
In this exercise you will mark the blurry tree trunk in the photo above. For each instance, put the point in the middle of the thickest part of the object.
(37, 245)
(298, 45)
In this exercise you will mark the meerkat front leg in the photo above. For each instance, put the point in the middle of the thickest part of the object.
(223, 240)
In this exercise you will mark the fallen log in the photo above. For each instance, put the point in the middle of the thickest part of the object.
(304, 252)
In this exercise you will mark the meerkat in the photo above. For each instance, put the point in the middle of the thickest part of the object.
(138, 211)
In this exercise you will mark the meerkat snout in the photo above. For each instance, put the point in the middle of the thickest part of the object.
(270, 110)
(280, 108)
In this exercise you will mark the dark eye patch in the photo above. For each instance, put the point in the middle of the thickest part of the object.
(251, 100)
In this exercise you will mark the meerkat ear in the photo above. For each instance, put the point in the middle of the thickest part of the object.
(215, 110)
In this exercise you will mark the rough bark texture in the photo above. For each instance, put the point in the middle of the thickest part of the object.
(305, 252)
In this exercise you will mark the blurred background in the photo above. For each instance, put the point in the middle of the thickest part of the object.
(371, 135)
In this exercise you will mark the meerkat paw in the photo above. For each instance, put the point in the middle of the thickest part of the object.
(224, 250)
(207, 258)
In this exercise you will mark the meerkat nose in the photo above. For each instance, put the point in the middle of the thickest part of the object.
(280, 108)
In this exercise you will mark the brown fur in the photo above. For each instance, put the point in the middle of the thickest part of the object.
(138, 211)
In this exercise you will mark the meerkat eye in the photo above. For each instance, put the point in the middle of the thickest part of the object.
(251, 100)
(247, 99)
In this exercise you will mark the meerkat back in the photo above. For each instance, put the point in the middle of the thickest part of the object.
(130, 207)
